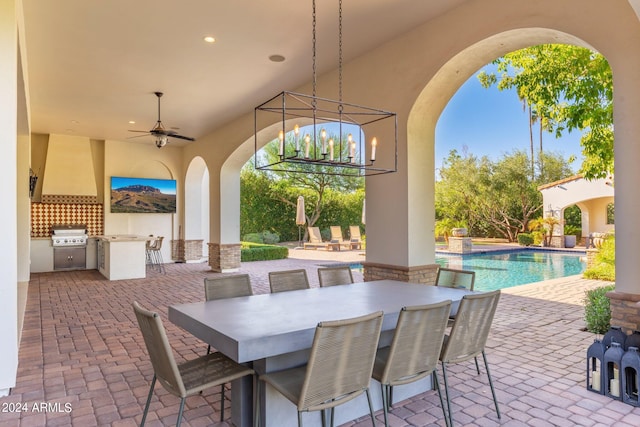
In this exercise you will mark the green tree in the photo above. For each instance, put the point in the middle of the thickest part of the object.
(495, 199)
(287, 186)
(567, 88)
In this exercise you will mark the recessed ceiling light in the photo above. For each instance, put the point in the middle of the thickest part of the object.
(132, 122)
(75, 122)
(276, 58)
(210, 39)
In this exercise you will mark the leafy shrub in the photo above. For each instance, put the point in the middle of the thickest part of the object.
(259, 252)
(597, 310)
(573, 230)
(270, 238)
(604, 265)
(525, 239)
(253, 238)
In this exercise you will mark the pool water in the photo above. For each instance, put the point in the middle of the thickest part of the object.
(499, 270)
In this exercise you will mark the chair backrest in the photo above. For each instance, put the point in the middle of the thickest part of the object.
(341, 361)
(417, 342)
(453, 278)
(314, 235)
(336, 233)
(157, 244)
(238, 285)
(290, 280)
(159, 349)
(330, 276)
(471, 327)
(354, 233)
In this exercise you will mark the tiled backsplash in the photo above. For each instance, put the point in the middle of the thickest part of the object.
(44, 215)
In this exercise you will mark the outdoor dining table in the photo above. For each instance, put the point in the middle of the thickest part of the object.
(275, 331)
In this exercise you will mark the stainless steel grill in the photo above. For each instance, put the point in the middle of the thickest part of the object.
(69, 243)
(69, 235)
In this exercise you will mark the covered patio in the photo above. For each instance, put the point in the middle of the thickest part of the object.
(81, 349)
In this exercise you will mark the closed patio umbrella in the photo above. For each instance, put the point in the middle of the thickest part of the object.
(300, 217)
(364, 201)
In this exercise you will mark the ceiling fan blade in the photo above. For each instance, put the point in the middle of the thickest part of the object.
(139, 136)
(142, 131)
(175, 135)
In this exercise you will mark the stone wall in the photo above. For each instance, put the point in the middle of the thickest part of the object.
(224, 258)
(625, 310)
(186, 250)
(420, 274)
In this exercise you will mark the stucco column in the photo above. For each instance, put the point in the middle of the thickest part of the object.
(625, 301)
(224, 232)
(8, 171)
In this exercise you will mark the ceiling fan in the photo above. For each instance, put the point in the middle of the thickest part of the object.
(162, 135)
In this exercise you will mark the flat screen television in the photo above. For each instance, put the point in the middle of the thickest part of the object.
(143, 195)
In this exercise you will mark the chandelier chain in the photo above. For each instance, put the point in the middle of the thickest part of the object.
(313, 50)
(340, 53)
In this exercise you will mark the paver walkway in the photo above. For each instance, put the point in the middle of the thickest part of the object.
(83, 357)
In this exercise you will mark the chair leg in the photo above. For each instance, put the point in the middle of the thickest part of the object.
(256, 401)
(446, 390)
(222, 403)
(373, 418)
(385, 408)
(436, 383)
(180, 412)
(477, 365)
(146, 407)
(300, 419)
(493, 392)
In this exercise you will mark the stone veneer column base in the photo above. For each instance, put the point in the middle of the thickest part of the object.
(625, 310)
(224, 258)
(419, 274)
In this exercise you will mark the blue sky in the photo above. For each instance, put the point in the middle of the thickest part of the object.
(166, 186)
(492, 123)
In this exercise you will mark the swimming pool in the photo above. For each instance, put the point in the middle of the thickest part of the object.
(499, 270)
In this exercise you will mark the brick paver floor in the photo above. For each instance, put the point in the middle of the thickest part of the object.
(82, 360)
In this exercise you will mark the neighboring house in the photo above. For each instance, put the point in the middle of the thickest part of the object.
(592, 197)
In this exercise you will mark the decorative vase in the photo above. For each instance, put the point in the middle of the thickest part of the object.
(459, 232)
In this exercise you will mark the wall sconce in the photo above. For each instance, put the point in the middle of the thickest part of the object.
(33, 181)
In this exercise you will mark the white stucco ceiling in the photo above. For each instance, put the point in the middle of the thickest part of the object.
(93, 65)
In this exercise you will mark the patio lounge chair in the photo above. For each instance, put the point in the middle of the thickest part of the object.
(354, 235)
(336, 238)
(315, 239)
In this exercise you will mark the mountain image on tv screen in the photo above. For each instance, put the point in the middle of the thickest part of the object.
(143, 195)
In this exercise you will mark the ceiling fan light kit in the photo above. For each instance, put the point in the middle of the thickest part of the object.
(162, 135)
(315, 152)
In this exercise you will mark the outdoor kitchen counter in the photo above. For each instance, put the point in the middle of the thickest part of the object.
(122, 256)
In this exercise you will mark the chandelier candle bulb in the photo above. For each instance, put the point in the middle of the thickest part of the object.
(374, 144)
(307, 141)
(281, 137)
(353, 152)
(331, 150)
(323, 137)
(296, 132)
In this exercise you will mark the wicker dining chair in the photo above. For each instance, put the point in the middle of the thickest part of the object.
(289, 280)
(331, 276)
(414, 350)
(339, 368)
(188, 378)
(453, 278)
(468, 337)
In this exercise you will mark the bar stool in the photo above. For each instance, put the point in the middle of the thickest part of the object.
(154, 254)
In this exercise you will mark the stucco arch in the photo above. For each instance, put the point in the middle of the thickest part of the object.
(430, 103)
(196, 201)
